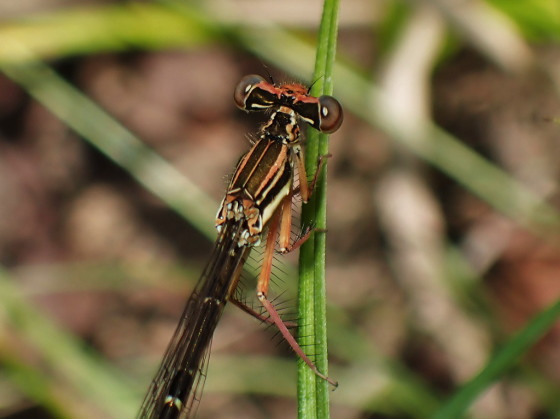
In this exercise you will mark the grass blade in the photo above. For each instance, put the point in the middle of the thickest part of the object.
(313, 393)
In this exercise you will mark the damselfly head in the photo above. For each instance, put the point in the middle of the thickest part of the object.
(254, 93)
(248, 94)
(323, 113)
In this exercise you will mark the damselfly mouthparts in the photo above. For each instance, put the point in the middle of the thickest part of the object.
(257, 203)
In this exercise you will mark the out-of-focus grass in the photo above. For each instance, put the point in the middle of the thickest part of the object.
(501, 362)
(536, 19)
(77, 375)
(366, 380)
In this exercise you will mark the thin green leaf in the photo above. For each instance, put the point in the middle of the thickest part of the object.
(504, 360)
(85, 375)
(313, 393)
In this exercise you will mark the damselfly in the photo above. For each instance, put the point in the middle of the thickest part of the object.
(258, 202)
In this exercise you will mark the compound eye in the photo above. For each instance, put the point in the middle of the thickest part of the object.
(244, 89)
(330, 114)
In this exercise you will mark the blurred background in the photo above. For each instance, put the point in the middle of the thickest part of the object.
(117, 136)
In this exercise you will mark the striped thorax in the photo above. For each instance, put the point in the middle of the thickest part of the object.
(263, 177)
